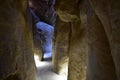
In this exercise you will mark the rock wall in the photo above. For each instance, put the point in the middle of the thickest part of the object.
(78, 46)
(67, 12)
(77, 52)
(37, 46)
(61, 46)
(100, 62)
(16, 47)
(104, 41)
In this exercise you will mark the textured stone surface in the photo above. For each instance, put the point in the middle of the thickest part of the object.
(103, 33)
(100, 62)
(61, 41)
(77, 52)
(67, 10)
(104, 40)
(78, 45)
(37, 46)
(16, 48)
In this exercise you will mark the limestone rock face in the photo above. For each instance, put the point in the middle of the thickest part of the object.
(67, 10)
(103, 31)
(104, 56)
(100, 62)
(78, 45)
(37, 46)
(61, 46)
(77, 52)
(16, 47)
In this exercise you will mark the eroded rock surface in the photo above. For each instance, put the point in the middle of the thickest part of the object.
(78, 46)
(67, 10)
(61, 46)
(16, 47)
(104, 43)
(103, 40)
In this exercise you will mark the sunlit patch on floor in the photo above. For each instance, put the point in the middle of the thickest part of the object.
(45, 70)
(39, 63)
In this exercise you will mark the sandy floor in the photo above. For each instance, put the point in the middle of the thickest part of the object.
(45, 71)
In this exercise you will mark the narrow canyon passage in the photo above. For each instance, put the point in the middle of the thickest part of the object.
(81, 36)
(45, 71)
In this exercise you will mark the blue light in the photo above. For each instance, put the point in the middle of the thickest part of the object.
(45, 32)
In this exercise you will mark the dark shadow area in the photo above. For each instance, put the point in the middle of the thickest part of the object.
(47, 59)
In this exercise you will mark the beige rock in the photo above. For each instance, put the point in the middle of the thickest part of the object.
(16, 47)
(61, 41)
(106, 20)
(77, 52)
(78, 44)
(67, 10)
